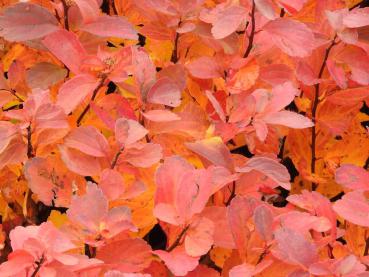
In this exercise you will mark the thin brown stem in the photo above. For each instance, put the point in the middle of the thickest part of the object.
(174, 57)
(66, 9)
(315, 108)
(233, 194)
(116, 157)
(39, 264)
(178, 239)
(252, 34)
(87, 108)
(366, 250)
(14, 93)
(30, 153)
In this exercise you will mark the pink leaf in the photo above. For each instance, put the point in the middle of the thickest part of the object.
(352, 177)
(166, 92)
(199, 237)
(263, 219)
(111, 183)
(75, 90)
(271, 168)
(161, 115)
(283, 95)
(178, 262)
(289, 119)
(67, 48)
(17, 262)
(357, 18)
(143, 155)
(204, 68)
(128, 131)
(128, 255)
(43, 75)
(305, 74)
(238, 213)
(110, 26)
(353, 207)
(26, 21)
(88, 140)
(294, 248)
(89, 209)
(292, 37)
(266, 8)
(79, 162)
(337, 73)
(228, 21)
(89, 9)
(213, 150)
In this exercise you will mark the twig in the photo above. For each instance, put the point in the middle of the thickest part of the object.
(179, 238)
(116, 157)
(39, 263)
(314, 110)
(14, 93)
(87, 108)
(30, 153)
(66, 9)
(233, 193)
(366, 250)
(252, 34)
(174, 57)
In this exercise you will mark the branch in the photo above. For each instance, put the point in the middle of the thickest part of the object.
(87, 108)
(116, 157)
(66, 9)
(366, 250)
(39, 263)
(174, 58)
(178, 240)
(252, 34)
(314, 110)
(30, 153)
(233, 193)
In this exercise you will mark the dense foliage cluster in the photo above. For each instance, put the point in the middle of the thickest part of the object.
(189, 138)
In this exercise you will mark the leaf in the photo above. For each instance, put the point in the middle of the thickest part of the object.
(128, 131)
(228, 21)
(269, 167)
(213, 150)
(348, 97)
(67, 48)
(353, 207)
(128, 255)
(44, 75)
(289, 119)
(89, 209)
(161, 115)
(357, 18)
(89, 9)
(204, 68)
(199, 237)
(88, 140)
(178, 262)
(165, 92)
(352, 177)
(294, 248)
(26, 21)
(263, 219)
(79, 162)
(110, 26)
(291, 36)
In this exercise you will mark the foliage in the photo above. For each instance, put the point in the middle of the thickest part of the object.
(184, 138)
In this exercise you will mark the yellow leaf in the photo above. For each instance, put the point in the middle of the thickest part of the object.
(16, 51)
(57, 218)
(219, 255)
